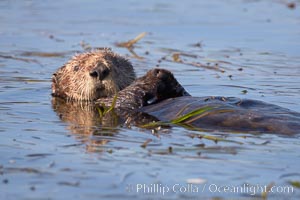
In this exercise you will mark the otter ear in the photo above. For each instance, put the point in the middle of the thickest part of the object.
(55, 75)
(54, 80)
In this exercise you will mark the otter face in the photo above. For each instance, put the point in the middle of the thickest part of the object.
(100, 81)
(92, 75)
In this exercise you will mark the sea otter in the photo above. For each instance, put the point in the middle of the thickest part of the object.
(158, 96)
(92, 75)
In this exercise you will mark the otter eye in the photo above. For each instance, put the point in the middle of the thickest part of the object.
(99, 73)
(105, 72)
(76, 68)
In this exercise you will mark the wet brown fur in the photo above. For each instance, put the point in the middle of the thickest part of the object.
(74, 82)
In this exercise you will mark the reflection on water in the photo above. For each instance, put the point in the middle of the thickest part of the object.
(70, 153)
(84, 120)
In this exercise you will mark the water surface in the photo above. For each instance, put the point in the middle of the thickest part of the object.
(45, 157)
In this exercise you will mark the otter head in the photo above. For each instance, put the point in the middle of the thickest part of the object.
(92, 75)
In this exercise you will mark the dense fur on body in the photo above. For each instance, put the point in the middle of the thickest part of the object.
(92, 75)
(229, 114)
(155, 86)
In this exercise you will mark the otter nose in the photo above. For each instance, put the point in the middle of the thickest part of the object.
(99, 73)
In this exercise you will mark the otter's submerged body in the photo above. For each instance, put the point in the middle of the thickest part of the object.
(159, 97)
(229, 114)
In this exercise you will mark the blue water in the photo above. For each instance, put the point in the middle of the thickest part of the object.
(44, 157)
